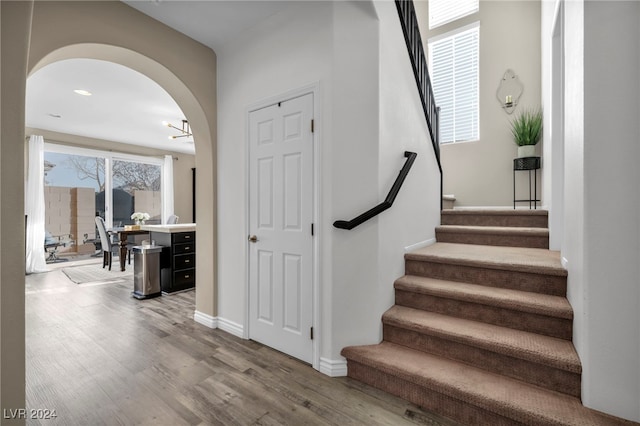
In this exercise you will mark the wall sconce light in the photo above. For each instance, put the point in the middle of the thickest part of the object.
(508, 101)
(185, 130)
(509, 91)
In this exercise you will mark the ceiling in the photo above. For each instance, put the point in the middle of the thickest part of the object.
(126, 106)
(212, 23)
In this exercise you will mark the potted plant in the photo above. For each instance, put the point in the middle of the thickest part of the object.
(526, 129)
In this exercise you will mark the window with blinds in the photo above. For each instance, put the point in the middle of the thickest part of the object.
(444, 11)
(453, 63)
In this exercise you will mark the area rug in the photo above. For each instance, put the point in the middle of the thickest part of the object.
(95, 273)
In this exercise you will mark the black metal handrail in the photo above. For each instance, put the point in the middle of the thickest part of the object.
(388, 201)
(409, 23)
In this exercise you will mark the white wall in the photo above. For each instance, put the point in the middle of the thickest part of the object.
(481, 173)
(287, 51)
(354, 176)
(546, 27)
(334, 44)
(553, 112)
(416, 212)
(612, 246)
(602, 222)
(572, 250)
(366, 120)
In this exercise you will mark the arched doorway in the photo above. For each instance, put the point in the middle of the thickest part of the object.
(40, 33)
(120, 117)
(200, 127)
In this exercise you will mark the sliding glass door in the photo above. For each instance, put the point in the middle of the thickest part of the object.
(82, 183)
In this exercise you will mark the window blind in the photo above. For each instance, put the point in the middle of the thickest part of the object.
(453, 62)
(445, 11)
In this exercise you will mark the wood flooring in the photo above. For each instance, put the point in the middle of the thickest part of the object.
(97, 356)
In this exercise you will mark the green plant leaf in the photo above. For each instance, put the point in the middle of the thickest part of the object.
(526, 127)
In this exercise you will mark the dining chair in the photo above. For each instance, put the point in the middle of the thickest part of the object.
(108, 247)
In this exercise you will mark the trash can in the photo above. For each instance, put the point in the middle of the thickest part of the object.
(146, 271)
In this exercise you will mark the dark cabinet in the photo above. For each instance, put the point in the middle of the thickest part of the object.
(177, 261)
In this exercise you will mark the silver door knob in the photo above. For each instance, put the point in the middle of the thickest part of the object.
(253, 239)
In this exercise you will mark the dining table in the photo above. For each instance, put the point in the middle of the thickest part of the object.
(123, 233)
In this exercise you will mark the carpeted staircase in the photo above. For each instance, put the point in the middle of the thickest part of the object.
(481, 329)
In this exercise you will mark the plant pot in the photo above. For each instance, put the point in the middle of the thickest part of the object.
(526, 151)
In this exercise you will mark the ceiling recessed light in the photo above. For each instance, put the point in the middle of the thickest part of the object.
(82, 92)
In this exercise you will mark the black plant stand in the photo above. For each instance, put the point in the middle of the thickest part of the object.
(527, 164)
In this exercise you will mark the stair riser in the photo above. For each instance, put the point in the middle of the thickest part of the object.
(516, 280)
(534, 323)
(535, 373)
(428, 399)
(518, 221)
(493, 239)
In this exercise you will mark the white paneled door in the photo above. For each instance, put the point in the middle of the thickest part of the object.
(280, 226)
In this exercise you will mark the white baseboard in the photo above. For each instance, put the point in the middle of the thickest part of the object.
(329, 367)
(231, 327)
(420, 245)
(205, 319)
(221, 323)
(333, 367)
(565, 263)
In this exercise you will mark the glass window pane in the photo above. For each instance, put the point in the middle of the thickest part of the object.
(444, 11)
(454, 66)
(136, 188)
(74, 195)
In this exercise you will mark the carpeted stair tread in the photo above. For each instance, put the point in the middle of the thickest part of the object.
(495, 212)
(508, 236)
(499, 230)
(495, 217)
(481, 329)
(523, 301)
(506, 397)
(530, 260)
(532, 347)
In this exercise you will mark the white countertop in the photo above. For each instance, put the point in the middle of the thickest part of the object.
(170, 229)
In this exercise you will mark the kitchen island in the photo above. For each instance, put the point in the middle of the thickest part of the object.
(178, 257)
